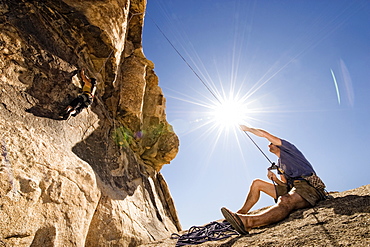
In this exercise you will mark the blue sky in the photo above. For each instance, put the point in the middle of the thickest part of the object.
(302, 72)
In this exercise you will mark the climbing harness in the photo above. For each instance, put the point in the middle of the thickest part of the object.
(211, 232)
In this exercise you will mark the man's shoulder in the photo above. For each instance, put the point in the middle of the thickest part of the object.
(288, 146)
(286, 143)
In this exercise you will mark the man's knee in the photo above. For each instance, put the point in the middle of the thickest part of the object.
(261, 185)
(257, 183)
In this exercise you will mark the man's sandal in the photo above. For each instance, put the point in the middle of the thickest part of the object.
(234, 220)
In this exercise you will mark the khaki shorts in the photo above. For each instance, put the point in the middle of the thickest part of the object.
(302, 188)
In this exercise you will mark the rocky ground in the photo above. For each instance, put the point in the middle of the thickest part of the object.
(341, 221)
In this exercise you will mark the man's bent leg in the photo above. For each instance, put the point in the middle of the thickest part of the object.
(257, 186)
(278, 212)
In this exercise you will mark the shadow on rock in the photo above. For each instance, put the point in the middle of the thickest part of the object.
(39, 111)
(117, 167)
(348, 205)
(51, 95)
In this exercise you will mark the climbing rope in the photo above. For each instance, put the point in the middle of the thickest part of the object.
(210, 232)
(208, 88)
(182, 57)
(110, 54)
(272, 163)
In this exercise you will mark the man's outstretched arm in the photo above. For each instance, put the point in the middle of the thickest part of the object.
(262, 133)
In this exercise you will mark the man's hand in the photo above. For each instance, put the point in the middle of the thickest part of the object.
(257, 132)
(274, 178)
(245, 128)
(262, 133)
(271, 176)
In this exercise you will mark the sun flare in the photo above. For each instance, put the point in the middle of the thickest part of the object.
(229, 113)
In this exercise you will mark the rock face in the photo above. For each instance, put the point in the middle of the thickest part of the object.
(341, 221)
(92, 180)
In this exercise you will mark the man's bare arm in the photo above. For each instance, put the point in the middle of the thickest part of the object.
(262, 133)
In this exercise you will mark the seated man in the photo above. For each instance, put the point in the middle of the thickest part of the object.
(298, 186)
(83, 100)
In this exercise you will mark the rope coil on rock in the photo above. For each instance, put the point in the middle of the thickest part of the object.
(210, 232)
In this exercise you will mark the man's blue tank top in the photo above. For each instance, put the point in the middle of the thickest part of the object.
(293, 162)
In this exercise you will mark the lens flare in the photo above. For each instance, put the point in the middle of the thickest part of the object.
(229, 113)
(336, 85)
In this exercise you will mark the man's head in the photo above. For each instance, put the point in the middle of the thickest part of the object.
(274, 149)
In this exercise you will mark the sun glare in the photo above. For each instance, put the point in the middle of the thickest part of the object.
(229, 113)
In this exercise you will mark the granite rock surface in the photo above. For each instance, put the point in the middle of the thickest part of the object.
(94, 179)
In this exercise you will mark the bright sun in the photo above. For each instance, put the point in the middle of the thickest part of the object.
(229, 113)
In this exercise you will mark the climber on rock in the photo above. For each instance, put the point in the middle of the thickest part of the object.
(298, 186)
(84, 100)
